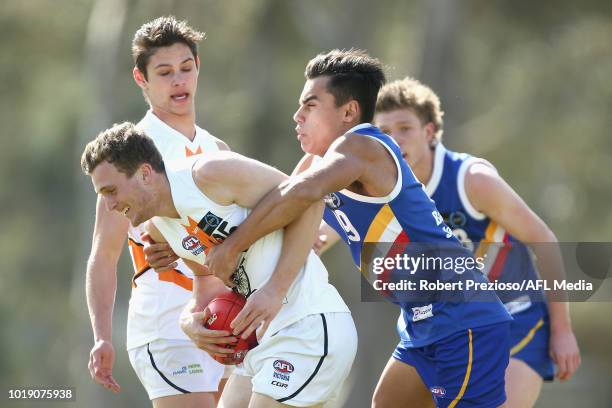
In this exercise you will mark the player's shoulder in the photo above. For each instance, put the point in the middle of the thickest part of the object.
(479, 169)
(356, 144)
(481, 177)
(213, 163)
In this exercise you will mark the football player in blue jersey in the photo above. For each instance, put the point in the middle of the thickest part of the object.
(482, 208)
(451, 354)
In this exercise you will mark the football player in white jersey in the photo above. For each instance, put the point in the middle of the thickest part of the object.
(306, 350)
(172, 370)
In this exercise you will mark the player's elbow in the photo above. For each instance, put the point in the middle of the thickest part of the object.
(300, 193)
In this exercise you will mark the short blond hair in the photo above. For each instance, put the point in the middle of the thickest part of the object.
(409, 93)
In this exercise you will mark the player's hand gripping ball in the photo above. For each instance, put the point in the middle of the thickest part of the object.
(223, 309)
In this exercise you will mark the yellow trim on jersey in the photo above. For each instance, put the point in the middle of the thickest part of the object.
(379, 224)
(483, 247)
(467, 374)
(521, 344)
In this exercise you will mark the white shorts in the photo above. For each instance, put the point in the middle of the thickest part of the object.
(305, 363)
(173, 367)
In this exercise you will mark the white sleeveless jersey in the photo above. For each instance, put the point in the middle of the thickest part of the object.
(204, 223)
(158, 299)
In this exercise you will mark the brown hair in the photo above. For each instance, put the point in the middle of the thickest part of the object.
(353, 74)
(162, 32)
(124, 146)
(408, 93)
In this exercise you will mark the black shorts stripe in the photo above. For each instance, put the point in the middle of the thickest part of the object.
(176, 387)
(318, 365)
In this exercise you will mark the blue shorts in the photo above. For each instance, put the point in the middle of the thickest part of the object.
(529, 340)
(465, 369)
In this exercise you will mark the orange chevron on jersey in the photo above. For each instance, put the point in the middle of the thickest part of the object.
(177, 278)
(138, 259)
(206, 240)
(189, 152)
(386, 228)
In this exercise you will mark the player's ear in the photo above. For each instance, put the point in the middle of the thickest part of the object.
(197, 62)
(139, 77)
(352, 111)
(145, 173)
(430, 133)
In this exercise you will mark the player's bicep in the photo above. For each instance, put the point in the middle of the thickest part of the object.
(491, 195)
(256, 179)
(109, 234)
(236, 178)
(342, 165)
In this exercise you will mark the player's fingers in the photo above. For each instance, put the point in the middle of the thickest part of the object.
(242, 319)
(90, 366)
(574, 364)
(254, 325)
(216, 339)
(215, 349)
(114, 385)
(162, 268)
(263, 329)
(147, 238)
(562, 367)
(201, 316)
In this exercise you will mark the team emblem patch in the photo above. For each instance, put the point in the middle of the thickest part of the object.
(456, 219)
(332, 201)
(209, 223)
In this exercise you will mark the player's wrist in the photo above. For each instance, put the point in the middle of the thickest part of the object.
(276, 288)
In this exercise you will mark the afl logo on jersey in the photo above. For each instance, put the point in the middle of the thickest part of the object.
(283, 366)
(192, 244)
(333, 201)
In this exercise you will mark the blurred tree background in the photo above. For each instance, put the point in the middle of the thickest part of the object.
(525, 84)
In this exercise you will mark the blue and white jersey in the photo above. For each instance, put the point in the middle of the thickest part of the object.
(506, 258)
(405, 217)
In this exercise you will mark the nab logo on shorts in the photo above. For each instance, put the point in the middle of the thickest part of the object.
(283, 366)
(438, 391)
(192, 243)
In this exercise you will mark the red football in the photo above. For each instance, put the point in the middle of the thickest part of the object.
(223, 309)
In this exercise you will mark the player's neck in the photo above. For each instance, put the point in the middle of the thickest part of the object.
(184, 124)
(166, 206)
(424, 168)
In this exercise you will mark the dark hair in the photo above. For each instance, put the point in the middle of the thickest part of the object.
(353, 74)
(162, 32)
(124, 146)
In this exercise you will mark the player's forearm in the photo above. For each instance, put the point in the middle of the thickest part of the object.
(205, 289)
(278, 208)
(297, 244)
(550, 267)
(559, 316)
(100, 288)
